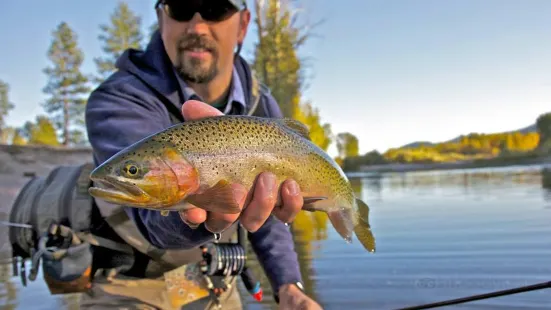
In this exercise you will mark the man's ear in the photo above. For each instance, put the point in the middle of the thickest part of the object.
(245, 18)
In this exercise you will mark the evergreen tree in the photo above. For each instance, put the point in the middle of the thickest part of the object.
(124, 32)
(5, 105)
(543, 125)
(67, 85)
(277, 64)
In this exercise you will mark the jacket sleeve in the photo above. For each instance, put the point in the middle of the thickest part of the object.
(116, 118)
(273, 243)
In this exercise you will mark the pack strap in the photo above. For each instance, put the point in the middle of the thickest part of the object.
(105, 243)
(117, 218)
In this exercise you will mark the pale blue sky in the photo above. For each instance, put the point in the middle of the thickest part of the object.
(390, 72)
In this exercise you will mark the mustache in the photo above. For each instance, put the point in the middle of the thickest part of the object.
(196, 41)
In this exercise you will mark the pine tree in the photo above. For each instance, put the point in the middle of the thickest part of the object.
(124, 32)
(277, 64)
(67, 85)
(5, 105)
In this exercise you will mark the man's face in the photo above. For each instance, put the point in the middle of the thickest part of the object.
(199, 48)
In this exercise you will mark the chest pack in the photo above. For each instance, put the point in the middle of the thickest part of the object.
(54, 219)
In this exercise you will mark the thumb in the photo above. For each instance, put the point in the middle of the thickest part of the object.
(193, 109)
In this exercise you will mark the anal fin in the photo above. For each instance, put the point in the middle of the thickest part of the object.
(219, 198)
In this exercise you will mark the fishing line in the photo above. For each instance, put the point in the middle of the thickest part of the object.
(522, 289)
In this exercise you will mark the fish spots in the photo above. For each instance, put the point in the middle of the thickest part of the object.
(239, 147)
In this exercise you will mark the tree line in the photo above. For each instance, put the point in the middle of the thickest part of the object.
(473, 146)
(276, 62)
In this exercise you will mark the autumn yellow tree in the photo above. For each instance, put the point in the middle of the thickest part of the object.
(41, 132)
(18, 138)
(278, 65)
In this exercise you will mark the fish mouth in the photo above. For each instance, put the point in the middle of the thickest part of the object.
(114, 190)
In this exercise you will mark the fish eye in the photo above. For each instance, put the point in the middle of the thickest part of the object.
(131, 169)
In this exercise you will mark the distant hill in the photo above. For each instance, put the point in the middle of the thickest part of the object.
(528, 129)
(531, 128)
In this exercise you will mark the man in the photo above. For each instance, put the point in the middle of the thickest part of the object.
(192, 59)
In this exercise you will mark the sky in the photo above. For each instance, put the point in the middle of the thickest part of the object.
(390, 72)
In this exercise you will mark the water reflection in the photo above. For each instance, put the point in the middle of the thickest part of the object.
(453, 237)
(8, 290)
(475, 183)
(308, 229)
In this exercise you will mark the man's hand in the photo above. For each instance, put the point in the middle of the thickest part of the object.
(291, 297)
(256, 203)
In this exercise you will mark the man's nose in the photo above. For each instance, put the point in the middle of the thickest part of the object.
(197, 25)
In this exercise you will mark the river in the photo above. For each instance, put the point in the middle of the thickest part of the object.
(440, 235)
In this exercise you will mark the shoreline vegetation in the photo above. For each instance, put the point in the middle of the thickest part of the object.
(468, 164)
(527, 146)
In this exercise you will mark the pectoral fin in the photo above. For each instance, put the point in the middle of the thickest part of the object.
(218, 198)
(309, 203)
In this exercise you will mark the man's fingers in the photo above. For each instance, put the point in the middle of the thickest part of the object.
(193, 217)
(218, 222)
(292, 202)
(193, 109)
(262, 202)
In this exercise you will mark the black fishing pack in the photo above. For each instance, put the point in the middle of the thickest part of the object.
(57, 210)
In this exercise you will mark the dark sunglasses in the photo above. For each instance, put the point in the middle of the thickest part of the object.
(210, 10)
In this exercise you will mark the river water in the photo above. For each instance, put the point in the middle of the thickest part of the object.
(440, 235)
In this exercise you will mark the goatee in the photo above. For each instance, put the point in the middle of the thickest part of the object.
(192, 69)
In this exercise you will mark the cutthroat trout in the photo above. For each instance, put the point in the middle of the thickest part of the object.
(196, 162)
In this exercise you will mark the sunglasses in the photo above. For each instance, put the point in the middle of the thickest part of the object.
(210, 10)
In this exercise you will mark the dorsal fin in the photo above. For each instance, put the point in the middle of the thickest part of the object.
(297, 127)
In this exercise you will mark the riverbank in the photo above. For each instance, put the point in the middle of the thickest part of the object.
(514, 160)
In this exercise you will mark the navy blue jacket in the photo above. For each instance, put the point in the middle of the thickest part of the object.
(128, 106)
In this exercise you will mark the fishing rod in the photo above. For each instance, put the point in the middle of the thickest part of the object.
(522, 289)
(15, 224)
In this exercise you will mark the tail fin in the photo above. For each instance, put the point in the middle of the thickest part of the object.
(363, 229)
